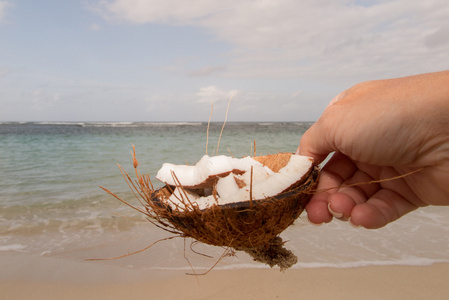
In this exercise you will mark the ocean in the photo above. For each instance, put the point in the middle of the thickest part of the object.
(51, 203)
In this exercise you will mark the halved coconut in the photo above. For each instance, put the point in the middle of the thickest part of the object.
(235, 203)
(240, 205)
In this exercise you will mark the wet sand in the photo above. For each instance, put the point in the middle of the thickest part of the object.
(25, 276)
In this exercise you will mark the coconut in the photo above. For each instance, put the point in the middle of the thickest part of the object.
(242, 204)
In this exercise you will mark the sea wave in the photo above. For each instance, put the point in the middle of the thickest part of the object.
(13, 247)
(139, 124)
(418, 261)
(110, 124)
(172, 123)
(105, 124)
(11, 122)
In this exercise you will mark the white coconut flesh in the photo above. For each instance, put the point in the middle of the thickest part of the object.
(206, 168)
(232, 179)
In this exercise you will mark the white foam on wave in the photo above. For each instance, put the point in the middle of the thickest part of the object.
(13, 247)
(411, 261)
(60, 123)
(110, 124)
(418, 261)
(138, 124)
(172, 123)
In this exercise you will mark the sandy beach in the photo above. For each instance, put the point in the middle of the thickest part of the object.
(25, 276)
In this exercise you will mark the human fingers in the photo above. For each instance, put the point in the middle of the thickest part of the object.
(314, 144)
(336, 171)
(354, 190)
(312, 140)
(382, 208)
(342, 185)
(317, 208)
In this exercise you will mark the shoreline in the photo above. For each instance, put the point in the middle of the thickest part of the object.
(37, 277)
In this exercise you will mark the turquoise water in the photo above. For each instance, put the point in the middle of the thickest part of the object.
(51, 203)
(49, 163)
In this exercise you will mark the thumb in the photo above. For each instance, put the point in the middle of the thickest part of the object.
(316, 143)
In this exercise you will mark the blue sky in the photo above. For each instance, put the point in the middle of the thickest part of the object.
(168, 60)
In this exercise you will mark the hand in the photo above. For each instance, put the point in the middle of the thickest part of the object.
(381, 130)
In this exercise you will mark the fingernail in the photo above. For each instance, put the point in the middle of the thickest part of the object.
(335, 214)
(352, 224)
(297, 151)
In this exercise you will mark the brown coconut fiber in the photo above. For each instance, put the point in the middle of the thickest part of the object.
(252, 226)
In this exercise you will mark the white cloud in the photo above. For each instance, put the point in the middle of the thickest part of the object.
(206, 71)
(213, 94)
(321, 39)
(4, 71)
(163, 11)
(183, 65)
(3, 6)
(94, 27)
(250, 105)
(438, 38)
(296, 94)
(41, 98)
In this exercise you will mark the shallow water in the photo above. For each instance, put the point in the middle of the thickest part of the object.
(51, 203)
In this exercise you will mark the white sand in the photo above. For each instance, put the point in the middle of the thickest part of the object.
(35, 277)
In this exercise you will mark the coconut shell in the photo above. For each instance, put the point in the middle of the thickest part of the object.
(252, 226)
(241, 225)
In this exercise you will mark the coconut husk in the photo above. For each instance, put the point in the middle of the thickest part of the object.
(252, 226)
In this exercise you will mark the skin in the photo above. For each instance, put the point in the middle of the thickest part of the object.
(380, 130)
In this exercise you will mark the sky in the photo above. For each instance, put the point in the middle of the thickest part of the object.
(170, 60)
